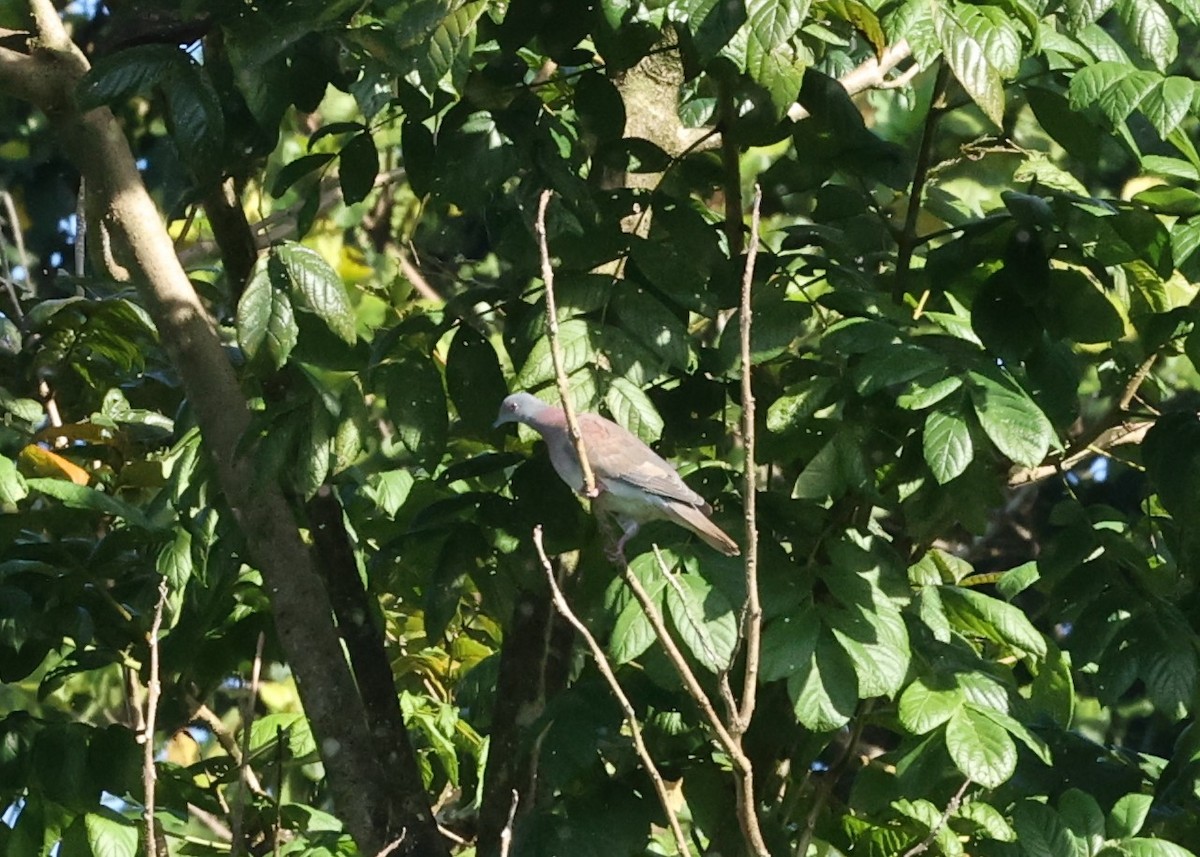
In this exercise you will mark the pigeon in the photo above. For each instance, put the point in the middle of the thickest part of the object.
(633, 483)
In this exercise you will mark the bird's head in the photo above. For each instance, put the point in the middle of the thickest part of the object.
(519, 408)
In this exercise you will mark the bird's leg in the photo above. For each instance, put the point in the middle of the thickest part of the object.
(629, 529)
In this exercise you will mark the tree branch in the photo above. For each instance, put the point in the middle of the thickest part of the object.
(635, 729)
(560, 373)
(153, 691)
(871, 74)
(752, 610)
(1133, 431)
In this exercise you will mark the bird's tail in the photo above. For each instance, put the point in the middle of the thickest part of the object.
(696, 521)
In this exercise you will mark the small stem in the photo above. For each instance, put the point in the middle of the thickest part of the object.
(730, 162)
(951, 808)
(247, 721)
(752, 611)
(908, 237)
(153, 691)
(560, 373)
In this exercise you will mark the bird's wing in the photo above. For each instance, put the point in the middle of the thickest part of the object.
(616, 455)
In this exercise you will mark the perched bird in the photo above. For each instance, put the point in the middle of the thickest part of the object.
(634, 484)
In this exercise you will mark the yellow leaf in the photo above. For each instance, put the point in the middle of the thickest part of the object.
(37, 461)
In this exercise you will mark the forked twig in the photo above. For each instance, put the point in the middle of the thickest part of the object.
(635, 729)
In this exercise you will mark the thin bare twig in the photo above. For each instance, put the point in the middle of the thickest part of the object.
(951, 807)
(413, 274)
(752, 611)
(635, 729)
(1118, 435)
(393, 845)
(560, 373)
(1135, 382)
(153, 691)
(247, 721)
(228, 742)
(506, 834)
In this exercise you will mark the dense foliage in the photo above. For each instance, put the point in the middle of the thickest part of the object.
(974, 352)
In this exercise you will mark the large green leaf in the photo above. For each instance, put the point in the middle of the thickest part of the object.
(1128, 815)
(417, 405)
(83, 497)
(823, 690)
(633, 409)
(993, 619)
(266, 323)
(947, 444)
(788, 643)
(1011, 419)
(924, 708)
(474, 379)
(1152, 30)
(980, 749)
(576, 339)
(704, 618)
(311, 281)
(980, 48)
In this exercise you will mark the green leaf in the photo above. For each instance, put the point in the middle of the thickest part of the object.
(648, 321)
(992, 619)
(1128, 815)
(1084, 819)
(894, 364)
(1154, 848)
(933, 613)
(82, 497)
(12, 485)
(632, 408)
(989, 820)
(823, 690)
(1041, 832)
(1016, 729)
(309, 472)
(632, 633)
(774, 22)
(947, 444)
(704, 618)
(923, 709)
(175, 560)
(474, 379)
(390, 489)
(980, 749)
(197, 122)
(576, 339)
(110, 834)
(1017, 580)
(266, 323)
(1113, 86)
(977, 46)
(133, 71)
(1080, 13)
(1011, 420)
(877, 643)
(1152, 30)
(920, 395)
(295, 170)
(450, 46)
(416, 403)
(797, 405)
(1168, 104)
(788, 643)
(711, 23)
(310, 280)
(358, 165)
